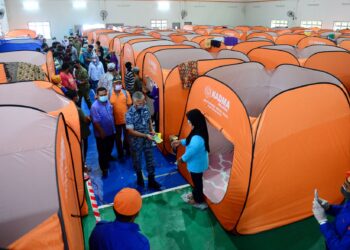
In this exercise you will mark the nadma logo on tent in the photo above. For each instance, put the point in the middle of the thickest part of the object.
(210, 93)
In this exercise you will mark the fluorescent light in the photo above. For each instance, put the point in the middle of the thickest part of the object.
(31, 5)
(79, 4)
(163, 5)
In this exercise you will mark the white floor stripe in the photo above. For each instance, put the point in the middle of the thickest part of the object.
(152, 194)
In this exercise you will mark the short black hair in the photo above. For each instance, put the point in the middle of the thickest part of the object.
(98, 43)
(65, 66)
(101, 89)
(76, 62)
(91, 46)
(123, 218)
(128, 65)
(71, 94)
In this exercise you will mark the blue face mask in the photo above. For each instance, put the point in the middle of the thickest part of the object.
(103, 98)
(139, 107)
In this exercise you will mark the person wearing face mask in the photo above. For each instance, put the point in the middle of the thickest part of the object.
(103, 121)
(196, 156)
(140, 130)
(121, 101)
(336, 233)
(96, 71)
(87, 55)
(106, 79)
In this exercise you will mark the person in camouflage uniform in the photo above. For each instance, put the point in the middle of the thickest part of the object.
(82, 79)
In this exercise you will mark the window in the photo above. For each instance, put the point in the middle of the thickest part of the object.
(41, 28)
(159, 24)
(341, 25)
(311, 24)
(94, 26)
(279, 24)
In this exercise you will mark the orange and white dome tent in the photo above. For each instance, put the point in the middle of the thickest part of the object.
(273, 139)
(39, 200)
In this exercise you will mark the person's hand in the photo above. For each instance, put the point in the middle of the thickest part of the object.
(175, 143)
(150, 137)
(152, 132)
(319, 212)
(325, 204)
(179, 161)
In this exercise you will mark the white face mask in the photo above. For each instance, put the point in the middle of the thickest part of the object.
(118, 87)
(189, 122)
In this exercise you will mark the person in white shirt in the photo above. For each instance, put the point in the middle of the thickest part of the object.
(95, 72)
(107, 79)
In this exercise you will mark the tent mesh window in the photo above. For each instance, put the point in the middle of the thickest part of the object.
(215, 179)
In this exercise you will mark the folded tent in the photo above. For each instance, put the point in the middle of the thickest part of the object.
(45, 61)
(162, 68)
(273, 140)
(39, 200)
(43, 96)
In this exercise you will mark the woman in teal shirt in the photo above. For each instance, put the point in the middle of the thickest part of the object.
(196, 155)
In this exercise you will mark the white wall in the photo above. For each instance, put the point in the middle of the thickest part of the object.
(62, 17)
(4, 22)
(326, 11)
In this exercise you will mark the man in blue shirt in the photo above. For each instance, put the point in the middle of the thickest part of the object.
(336, 233)
(139, 126)
(123, 233)
(87, 56)
(103, 121)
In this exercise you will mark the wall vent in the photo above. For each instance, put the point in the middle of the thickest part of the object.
(313, 4)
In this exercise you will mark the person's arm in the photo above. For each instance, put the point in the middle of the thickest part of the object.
(89, 71)
(333, 240)
(101, 69)
(151, 130)
(84, 78)
(334, 209)
(193, 148)
(96, 119)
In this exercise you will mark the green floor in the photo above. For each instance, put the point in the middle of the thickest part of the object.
(169, 223)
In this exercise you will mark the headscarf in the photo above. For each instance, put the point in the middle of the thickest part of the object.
(199, 123)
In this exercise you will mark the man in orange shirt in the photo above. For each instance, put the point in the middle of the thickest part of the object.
(121, 101)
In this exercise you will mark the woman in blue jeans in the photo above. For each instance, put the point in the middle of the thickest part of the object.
(196, 156)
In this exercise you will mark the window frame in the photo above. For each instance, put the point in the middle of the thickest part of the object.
(160, 24)
(279, 23)
(308, 24)
(347, 26)
(43, 27)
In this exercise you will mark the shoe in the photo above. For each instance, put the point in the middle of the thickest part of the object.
(140, 181)
(152, 183)
(187, 197)
(104, 174)
(121, 159)
(201, 206)
(112, 158)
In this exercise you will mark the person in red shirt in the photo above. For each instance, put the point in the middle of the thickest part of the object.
(67, 78)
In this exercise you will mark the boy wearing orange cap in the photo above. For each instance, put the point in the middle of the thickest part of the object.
(336, 233)
(123, 233)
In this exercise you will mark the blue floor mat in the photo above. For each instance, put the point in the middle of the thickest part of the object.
(122, 174)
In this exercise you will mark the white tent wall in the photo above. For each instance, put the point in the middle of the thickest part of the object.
(63, 17)
(306, 10)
